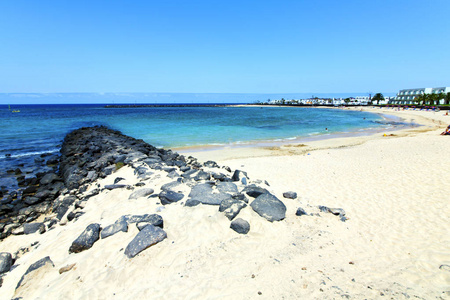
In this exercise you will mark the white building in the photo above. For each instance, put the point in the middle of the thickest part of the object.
(407, 96)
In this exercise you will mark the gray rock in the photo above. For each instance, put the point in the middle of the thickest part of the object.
(5, 262)
(204, 194)
(211, 164)
(168, 197)
(119, 225)
(255, 191)
(46, 261)
(87, 239)
(335, 211)
(191, 203)
(231, 207)
(228, 187)
(49, 178)
(148, 236)
(290, 195)
(141, 193)
(62, 207)
(240, 226)
(189, 173)
(238, 175)
(240, 197)
(202, 175)
(173, 174)
(32, 200)
(29, 228)
(300, 212)
(115, 186)
(173, 186)
(270, 207)
(158, 222)
(153, 219)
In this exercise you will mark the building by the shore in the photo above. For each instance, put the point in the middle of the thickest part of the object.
(408, 96)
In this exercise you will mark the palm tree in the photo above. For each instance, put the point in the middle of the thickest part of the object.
(378, 97)
(447, 98)
(433, 98)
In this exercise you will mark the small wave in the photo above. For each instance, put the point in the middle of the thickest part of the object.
(29, 154)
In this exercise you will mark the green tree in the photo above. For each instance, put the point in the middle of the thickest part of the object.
(434, 98)
(347, 100)
(378, 97)
(422, 99)
(447, 98)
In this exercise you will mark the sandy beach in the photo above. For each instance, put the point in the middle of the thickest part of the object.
(395, 244)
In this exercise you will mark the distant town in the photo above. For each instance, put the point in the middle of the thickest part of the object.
(439, 96)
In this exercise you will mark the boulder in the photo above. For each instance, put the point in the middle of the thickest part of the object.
(238, 175)
(240, 226)
(119, 225)
(29, 228)
(44, 263)
(141, 193)
(61, 208)
(204, 194)
(168, 197)
(231, 207)
(115, 186)
(270, 207)
(5, 262)
(228, 187)
(148, 236)
(49, 178)
(202, 175)
(173, 186)
(86, 239)
(254, 190)
(290, 195)
(153, 219)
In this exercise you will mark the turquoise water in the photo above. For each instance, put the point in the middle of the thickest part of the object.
(40, 129)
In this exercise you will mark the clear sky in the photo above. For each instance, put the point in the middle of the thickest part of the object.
(322, 46)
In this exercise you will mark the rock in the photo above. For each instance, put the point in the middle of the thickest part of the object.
(240, 226)
(238, 175)
(168, 197)
(202, 175)
(240, 197)
(115, 186)
(335, 211)
(300, 212)
(118, 179)
(32, 200)
(191, 203)
(254, 191)
(49, 178)
(290, 195)
(52, 160)
(30, 190)
(211, 164)
(18, 231)
(154, 219)
(5, 262)
(66, 268)
(189, 174)
(204, 194)
(29, 228)
(228, 187)
(173, 186)
(141, 193)
(62, 207)
(148, 236)
(44, 263)
(87, 239)
(119, 225)
(270, 207)
(231, 207)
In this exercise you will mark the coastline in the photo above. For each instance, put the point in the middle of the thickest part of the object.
(393, 243)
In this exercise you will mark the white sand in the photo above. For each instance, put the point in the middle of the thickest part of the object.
(394, 190)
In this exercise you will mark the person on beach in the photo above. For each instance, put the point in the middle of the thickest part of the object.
(446, 131)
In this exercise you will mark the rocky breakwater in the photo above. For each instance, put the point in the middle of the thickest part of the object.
(91, 166)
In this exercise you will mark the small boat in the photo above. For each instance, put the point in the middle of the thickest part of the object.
(14, 110)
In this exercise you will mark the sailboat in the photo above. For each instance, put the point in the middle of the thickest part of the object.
(14, 110)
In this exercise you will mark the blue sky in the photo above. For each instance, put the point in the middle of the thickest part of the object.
(223, 46)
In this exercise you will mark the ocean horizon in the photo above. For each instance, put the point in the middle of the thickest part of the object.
(161, 98)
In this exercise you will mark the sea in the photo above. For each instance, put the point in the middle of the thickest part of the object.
(39, 130)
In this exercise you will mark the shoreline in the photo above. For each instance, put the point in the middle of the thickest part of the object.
(421, 121)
